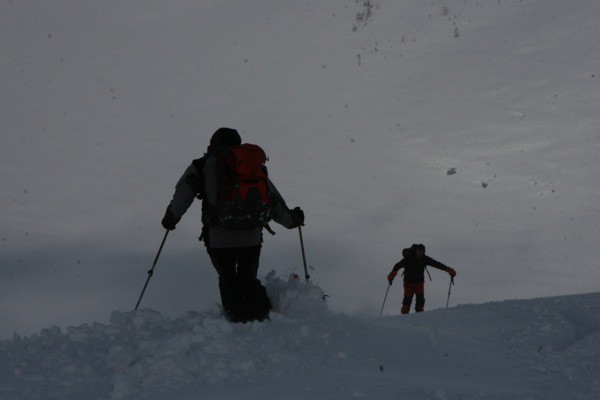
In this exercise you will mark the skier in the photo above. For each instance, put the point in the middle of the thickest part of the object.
(414, 262)
(234, 253)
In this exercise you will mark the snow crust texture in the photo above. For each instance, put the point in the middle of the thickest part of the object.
(530, 349)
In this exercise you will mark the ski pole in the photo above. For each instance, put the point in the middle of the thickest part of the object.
(151, 271)
(306, 276)
(449, 289)
(384, 299)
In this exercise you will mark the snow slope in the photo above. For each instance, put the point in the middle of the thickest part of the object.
(529, 349)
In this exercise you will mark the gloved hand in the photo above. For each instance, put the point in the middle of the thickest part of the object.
(297, 217)
(391, 276)
(169, 221)
(452, 272)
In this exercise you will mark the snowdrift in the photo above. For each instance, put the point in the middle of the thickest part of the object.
(546, 348)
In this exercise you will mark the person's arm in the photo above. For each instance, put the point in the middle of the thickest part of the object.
(282, 214)
(397, 267)
(436, 264)
(189, 187)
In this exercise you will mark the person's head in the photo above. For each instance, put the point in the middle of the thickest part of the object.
(222, 139)
(418, 250)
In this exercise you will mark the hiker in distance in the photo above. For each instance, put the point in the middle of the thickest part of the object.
(238, 200)
(414, 262)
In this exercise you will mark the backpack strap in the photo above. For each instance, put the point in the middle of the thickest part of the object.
(196, 182)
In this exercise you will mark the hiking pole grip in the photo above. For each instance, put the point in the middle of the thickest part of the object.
(306, 276)
(151, 271)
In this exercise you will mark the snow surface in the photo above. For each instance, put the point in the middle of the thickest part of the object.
(467, 125)
(527, 349)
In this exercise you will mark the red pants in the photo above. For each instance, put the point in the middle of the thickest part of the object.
(410, 290)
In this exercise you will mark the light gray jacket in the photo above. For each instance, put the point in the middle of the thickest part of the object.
(203, 185)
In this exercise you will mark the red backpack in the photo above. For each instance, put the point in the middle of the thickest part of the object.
(243, 192)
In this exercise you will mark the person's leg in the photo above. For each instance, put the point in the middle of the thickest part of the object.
(248, 261)
(420, 293)
(409, 292)
(254, 293)
(232, 300)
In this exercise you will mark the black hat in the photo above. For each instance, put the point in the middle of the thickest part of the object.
(222, 139)
(419, 246)
(226, 137)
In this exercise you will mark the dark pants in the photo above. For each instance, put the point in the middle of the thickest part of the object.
(242, 295)
(410, 290)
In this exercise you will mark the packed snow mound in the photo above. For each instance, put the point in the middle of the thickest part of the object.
(543, 348)
(294, 298)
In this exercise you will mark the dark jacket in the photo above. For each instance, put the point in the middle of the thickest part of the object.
(414, 267)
